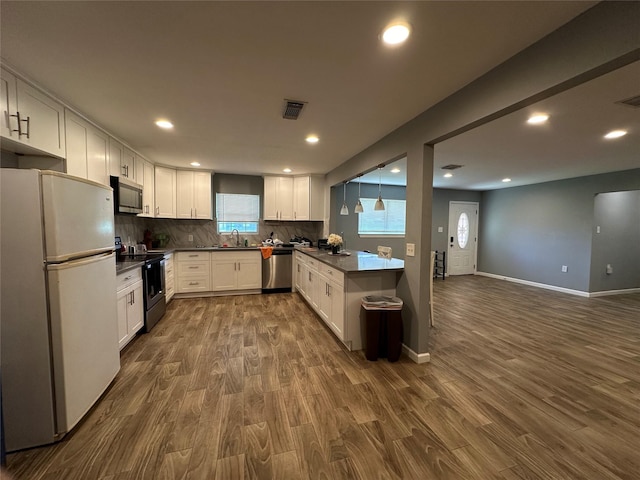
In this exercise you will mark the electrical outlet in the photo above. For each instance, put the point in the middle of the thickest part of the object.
(411, 249)
(598, 229)
(565, 269)
(609, 269)
(191, 238)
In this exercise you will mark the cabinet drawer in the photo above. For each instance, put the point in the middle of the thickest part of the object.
(193, 268)
(128, 278)
(331, 273)
(194, 284)
(189, 256)
(247, 255)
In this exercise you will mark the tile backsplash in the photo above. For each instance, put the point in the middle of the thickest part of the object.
(131, 229)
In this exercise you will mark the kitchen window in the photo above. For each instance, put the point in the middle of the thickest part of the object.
(237, 212)
(389, 222)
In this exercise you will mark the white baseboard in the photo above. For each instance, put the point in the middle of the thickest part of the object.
(561, 289)
(606, 293)
(416, 357)
(535, 284)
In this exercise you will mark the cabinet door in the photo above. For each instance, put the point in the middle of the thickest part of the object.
(336, 317)
(285, 198)
(301, 198)
(86, 149)
(313, 286)
(184, 194)
(76, 133)
(202, 205)
(8, 105)
(116, 153)
(128, 165)
(135, 312)
(147, 179)
(97, 146)
(270, 196)
(249, 273)
(165, 190)
(324, 300)
(123, 299)
(46, 120)
(223, 272)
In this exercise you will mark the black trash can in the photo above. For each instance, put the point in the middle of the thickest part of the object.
(382, 330)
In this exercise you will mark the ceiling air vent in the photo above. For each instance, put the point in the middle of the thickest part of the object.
(631, 102)
(452, 167)
(292, 109)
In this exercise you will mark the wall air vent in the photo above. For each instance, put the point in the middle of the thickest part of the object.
(451, 167)
(292, 109)
(631, 102)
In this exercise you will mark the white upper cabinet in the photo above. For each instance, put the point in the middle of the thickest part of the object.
(194, 195)
(278, 198)
(165, 192)
(294, 198)
(308, 198)
(122, 161)
(32, 121)
(145, 176)
(87, 149)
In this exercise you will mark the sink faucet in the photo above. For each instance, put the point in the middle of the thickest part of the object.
(237, 236)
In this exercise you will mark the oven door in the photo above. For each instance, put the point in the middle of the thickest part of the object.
(154, 301)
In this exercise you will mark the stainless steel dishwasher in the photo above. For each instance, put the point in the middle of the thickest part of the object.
(276, 270)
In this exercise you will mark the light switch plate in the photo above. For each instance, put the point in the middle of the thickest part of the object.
(191, 238)
(411, 249)
(440, 229)
(564, 269)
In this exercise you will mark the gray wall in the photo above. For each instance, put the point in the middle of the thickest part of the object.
(600, 40)
(347, 225)
(618, 243)
(530, 232)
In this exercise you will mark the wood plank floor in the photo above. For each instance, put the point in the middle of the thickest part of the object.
(524, 383)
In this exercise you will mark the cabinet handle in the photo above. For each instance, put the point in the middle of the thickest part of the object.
(238, 266)
(19, 130)
(158, 210)
(194, 283)
(193, 268)
(195, 213)
(193, 255)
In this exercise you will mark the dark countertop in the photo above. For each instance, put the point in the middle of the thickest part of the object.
(212, 249)
(122, 267)
(355, 262)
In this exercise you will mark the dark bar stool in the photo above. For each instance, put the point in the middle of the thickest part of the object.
(382, 332)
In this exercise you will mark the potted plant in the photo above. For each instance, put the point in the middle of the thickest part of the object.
(335, 241)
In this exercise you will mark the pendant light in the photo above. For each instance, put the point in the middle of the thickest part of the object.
(358, 208)
(344, 210)
(379, 203)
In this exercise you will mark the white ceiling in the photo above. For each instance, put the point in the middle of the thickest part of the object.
(221, 70)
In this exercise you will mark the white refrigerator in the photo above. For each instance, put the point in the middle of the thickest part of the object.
(58, 335)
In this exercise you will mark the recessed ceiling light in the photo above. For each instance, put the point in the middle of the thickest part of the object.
(616, 134)
(312, 139)
(396, 34)
(164, 124)
(195, 164)
(506, 180)
(538, 118)
(448, 175)
(286, 170)
(395, 170)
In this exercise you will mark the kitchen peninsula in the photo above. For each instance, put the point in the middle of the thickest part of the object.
(333, 285)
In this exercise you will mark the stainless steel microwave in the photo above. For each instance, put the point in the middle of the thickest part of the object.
(127, 195)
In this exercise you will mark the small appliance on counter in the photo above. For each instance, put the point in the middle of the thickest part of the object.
(323, 244)
(302, 241)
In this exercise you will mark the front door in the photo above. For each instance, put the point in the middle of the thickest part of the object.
(463, 238)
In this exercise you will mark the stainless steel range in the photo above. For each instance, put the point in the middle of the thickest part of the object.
(153, 285)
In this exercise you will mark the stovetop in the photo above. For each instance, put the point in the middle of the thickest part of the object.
(145, 257)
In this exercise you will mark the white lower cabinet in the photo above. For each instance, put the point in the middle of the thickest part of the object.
(322, 287)
(236, 270)
(130, 298)
(169, 278)
(193, 272)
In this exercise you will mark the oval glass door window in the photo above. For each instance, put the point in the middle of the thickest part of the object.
(463, 230)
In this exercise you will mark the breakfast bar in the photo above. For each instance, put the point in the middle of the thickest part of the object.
(334, 284)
